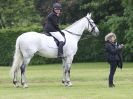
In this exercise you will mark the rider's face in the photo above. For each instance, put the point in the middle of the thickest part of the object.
(57, 11)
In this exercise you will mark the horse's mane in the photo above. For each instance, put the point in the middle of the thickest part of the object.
(74, 23)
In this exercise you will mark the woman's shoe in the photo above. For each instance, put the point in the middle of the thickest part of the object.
(111, 85)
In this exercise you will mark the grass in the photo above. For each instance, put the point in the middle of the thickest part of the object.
(90, 81)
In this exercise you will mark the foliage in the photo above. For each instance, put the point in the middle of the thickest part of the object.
(7, 42)
(123, 26)
(21, 16)
(17, 13)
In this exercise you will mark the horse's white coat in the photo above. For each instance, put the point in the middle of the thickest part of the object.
(31, 43)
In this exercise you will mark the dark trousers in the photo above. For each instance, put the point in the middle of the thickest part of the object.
(113, 66)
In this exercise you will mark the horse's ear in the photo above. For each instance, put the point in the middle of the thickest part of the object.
(89, 15)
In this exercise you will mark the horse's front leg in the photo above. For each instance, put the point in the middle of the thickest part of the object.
(64, 63)
(67, 67)
(67, 75)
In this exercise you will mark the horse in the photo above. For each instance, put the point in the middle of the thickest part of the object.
(30, 43)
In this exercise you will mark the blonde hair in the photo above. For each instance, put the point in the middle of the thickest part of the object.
(109, 36)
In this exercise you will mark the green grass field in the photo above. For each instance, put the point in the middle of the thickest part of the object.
(90, 81)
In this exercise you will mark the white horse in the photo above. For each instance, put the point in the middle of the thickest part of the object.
(31, 43)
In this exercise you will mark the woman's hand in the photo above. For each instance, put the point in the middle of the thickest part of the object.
(121, 46)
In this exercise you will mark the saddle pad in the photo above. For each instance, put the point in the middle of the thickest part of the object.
(51, 42)
(48, 35)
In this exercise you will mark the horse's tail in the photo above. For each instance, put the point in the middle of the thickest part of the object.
(18, 59)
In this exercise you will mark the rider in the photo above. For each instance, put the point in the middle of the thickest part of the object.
(52, 26)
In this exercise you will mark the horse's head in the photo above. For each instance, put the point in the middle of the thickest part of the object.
(91, 26)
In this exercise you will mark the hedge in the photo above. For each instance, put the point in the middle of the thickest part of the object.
(89, 50)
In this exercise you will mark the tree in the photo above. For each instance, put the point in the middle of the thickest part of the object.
(128, 15)
(17, 13)
(123, 26)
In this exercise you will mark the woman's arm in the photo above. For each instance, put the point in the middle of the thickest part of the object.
(111, 49)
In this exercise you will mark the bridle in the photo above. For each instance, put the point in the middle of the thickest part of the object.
(93, 27)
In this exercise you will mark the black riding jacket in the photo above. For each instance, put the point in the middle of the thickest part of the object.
(52, 23)
(113, 53)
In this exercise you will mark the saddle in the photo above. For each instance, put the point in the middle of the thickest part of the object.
(56, 41)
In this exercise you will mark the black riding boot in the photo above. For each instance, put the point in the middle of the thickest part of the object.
(60, 49)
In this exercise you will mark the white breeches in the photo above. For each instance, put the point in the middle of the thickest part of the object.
(58, 36)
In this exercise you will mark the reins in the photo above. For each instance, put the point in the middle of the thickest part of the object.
(73, 33)
(88, 36)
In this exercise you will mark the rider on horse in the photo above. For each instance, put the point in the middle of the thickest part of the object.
(52, 26)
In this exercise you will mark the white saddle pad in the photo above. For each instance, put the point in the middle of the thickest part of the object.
(51, 43)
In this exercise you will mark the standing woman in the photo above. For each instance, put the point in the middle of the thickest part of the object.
(114, 57)
(52, 26)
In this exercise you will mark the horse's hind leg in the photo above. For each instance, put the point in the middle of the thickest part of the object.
(15, 79)
(23, 67)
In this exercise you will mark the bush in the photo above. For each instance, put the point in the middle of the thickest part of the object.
(8, 39)
(7, 42)
(91, 49)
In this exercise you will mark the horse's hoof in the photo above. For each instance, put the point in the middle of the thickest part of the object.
(25, 86)
(63, 81)
(68, 84)
(15, 84)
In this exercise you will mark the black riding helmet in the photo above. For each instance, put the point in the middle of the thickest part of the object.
(57, 6)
